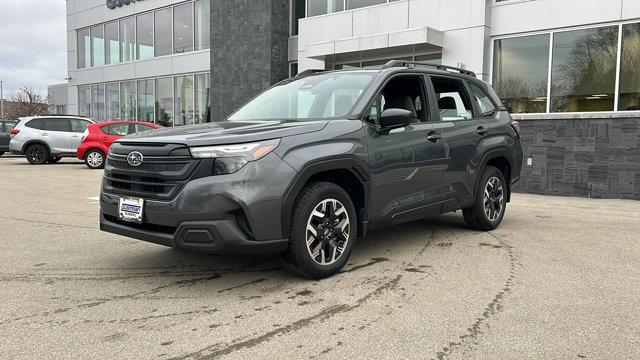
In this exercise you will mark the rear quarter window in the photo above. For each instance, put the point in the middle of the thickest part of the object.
(35, 124)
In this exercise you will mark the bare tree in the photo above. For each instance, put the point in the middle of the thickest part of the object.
(27, 102)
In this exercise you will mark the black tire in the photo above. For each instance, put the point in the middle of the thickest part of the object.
(55, 159)
(1, 153)
(37, 154)
(92, 156)
(298, 258)
(476, 217)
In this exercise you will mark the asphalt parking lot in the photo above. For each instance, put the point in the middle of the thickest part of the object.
(559, 279)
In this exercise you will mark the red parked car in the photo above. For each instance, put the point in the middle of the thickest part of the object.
(98, 138)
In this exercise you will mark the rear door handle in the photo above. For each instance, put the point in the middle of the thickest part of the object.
(44, 134)
(481, 130)
(433, 136)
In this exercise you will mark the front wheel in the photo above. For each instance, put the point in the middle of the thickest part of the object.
(37, 154)
(94, 159)
(323, 231)
(491, 201)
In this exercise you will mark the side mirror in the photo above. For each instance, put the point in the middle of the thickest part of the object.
(394, 118)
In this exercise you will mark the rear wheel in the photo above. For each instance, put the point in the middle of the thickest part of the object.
(323, 231)
(94, 159)
(37, 154)
(1, 153)
(491, 201)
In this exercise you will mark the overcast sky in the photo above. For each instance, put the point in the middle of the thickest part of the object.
(33, 44)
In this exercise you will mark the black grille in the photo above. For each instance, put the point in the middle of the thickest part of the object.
(158, 177)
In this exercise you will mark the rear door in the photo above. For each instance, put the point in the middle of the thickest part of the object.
(56, 132)
(463, 131)
(78, 127)
(111, 133)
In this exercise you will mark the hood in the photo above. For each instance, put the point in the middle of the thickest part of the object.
(227, 132)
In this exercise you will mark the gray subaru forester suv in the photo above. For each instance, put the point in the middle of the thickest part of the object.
(317, 161)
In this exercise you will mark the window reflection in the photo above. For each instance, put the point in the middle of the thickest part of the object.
(520, 72)
(201, 98)
(162, 32)
(128, 100)
(184, 100)
(128, 39)
(584, 70)
(146, 98)
(630, 63)
(112, 101)
(112, 45)
(97, 45)
(144, 31)
(84, 48)
(203, 24)
(164, 101)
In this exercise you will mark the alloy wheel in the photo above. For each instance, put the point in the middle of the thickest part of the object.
(493, 199)
(36, 154)
(94, 159)
(327, 232)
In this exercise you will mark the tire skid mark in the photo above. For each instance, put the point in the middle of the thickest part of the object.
(133, 296)
(494, 306)
(218, 350)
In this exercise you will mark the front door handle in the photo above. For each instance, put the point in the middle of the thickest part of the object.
(481, 130)
(433, 136)
(44, 134)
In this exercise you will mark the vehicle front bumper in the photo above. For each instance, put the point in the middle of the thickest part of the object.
(237, 213)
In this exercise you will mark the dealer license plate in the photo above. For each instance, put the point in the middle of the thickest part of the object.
(130, 209)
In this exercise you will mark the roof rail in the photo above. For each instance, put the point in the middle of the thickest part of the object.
(401, 63)
(309, 72)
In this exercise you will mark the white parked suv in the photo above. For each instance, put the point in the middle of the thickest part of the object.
(48, 138)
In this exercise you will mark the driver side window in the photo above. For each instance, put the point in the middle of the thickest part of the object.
(403, 92)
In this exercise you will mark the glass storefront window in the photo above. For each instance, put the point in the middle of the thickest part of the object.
(97, 45)
(203, 24)
(183, 28)
(583, 74)
(84, 101)
(127, 39)
(202, 98)
(320, 7)
(84, 48)
(112, 43)
(354, 4)
(297, 12)
(112, 101)
(521, 72)
(162, 32)
(184, 100)
(146, 100)
(97, 103)
(128, 100)
(629, 97)
(164, 102)
(145, 35)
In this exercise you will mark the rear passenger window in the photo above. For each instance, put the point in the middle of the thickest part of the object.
(140, 127)
(57, 125)
(34, 124)
(118, 129)
(453, 102)
(482, 100)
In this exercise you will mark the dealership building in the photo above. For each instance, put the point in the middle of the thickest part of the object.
(568, 70)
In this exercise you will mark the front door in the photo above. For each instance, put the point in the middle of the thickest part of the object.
(407, 163)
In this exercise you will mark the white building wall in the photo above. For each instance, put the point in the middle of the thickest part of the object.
(463, 24)
(84, 13)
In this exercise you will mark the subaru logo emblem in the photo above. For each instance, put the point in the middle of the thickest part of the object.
(134, 158)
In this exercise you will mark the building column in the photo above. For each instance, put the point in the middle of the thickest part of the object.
(249, 50)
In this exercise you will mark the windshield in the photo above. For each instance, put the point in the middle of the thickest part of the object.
(315, 97)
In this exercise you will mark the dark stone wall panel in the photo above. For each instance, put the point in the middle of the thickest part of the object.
(597, 158)
(249, 49)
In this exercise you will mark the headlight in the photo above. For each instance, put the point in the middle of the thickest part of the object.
(231, 158)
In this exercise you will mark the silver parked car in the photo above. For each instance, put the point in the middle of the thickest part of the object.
(48, 138)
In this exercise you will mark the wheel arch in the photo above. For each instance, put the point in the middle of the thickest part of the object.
(35, 142)
(347, 173)
(501, 159)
